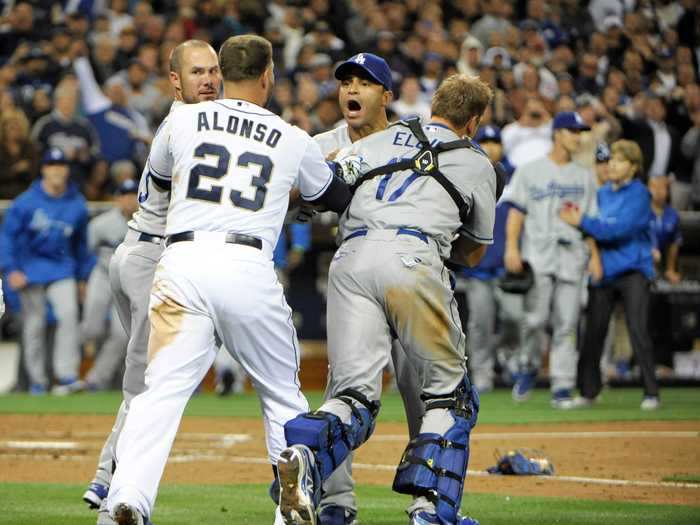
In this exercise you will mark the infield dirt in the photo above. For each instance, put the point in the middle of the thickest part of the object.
(64, 449)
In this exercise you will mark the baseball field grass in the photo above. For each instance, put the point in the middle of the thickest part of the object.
(44, 501)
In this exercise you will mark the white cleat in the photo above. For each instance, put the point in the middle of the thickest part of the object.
(125, 514)
(650, 403)
(295, 470)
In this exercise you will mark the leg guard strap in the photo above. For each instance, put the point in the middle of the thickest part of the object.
(327, 435)
(435, 465)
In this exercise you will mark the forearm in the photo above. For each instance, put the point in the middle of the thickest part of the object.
(593, 247)
(672, 257)
(467, 252)
(93, 98)
(514, 227)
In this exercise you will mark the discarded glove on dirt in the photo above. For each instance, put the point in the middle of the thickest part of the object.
(522, 462)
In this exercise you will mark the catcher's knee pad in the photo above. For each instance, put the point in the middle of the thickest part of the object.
(435, 465)
(330, 438)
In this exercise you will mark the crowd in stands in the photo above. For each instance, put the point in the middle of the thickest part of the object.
(84, 83)
(91, 77)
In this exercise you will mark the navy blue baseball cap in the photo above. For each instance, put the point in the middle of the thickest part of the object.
(375, 66)
(127, 186)
(602, 152)
(54, 156)
(488, 133)
(569, 120)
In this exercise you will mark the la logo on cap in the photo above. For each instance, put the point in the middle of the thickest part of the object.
(360, 59)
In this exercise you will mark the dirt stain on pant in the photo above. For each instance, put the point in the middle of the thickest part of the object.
(166, 321)
(421, 319)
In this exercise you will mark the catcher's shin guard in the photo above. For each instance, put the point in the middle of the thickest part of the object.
(435, 465)
(330, 438)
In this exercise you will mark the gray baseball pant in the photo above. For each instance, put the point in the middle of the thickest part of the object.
(559, 300)
(98, 305)
(131, 272)
(338, 489)
(384, 280)
(380, 280)
(63, 296)
(487, 303)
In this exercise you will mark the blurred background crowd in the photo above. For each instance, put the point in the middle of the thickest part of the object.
(90, 78)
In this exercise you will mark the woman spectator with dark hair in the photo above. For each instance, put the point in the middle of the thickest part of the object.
(18, 154)
(623, 235)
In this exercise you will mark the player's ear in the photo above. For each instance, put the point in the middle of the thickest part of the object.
(387, 97)
(472, 126)
(175, 81)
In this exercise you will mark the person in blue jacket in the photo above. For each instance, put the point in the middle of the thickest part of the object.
(44, 255)
(488, 305)
(623, 235)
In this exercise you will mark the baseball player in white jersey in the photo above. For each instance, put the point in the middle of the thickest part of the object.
(105, 233)
(230, 165)
(194, 73)
(417, 188)
(557, 253)
(365, 92)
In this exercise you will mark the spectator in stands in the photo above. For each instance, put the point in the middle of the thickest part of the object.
(530, 137)
(470, 56)
(74, 135)
(18, 164)
(665, 227)
(123, 132)
(494, 22)
(44, 255)
(690, 148)
(103, 55)
(623, 234)
(17, 28)
(659, 141)
(411, 103)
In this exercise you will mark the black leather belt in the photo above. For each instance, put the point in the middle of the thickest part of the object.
(231, 238)
(147, 237)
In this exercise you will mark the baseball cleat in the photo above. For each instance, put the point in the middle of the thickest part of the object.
(94, 494)
(650, 403)
(524, 383)
(125, 514)
(298, 485)
(562, 399)
(337, 515)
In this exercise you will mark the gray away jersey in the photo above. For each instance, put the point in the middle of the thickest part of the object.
(105, 233)
(153, 201)
(540, 189)
(334, 139)
(404, 199)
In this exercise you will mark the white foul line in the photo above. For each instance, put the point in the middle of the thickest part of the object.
(41, 445)
(661, 434)
(247, 460)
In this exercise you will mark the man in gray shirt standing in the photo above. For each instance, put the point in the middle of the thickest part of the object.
(557, 254)
(388, 278)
